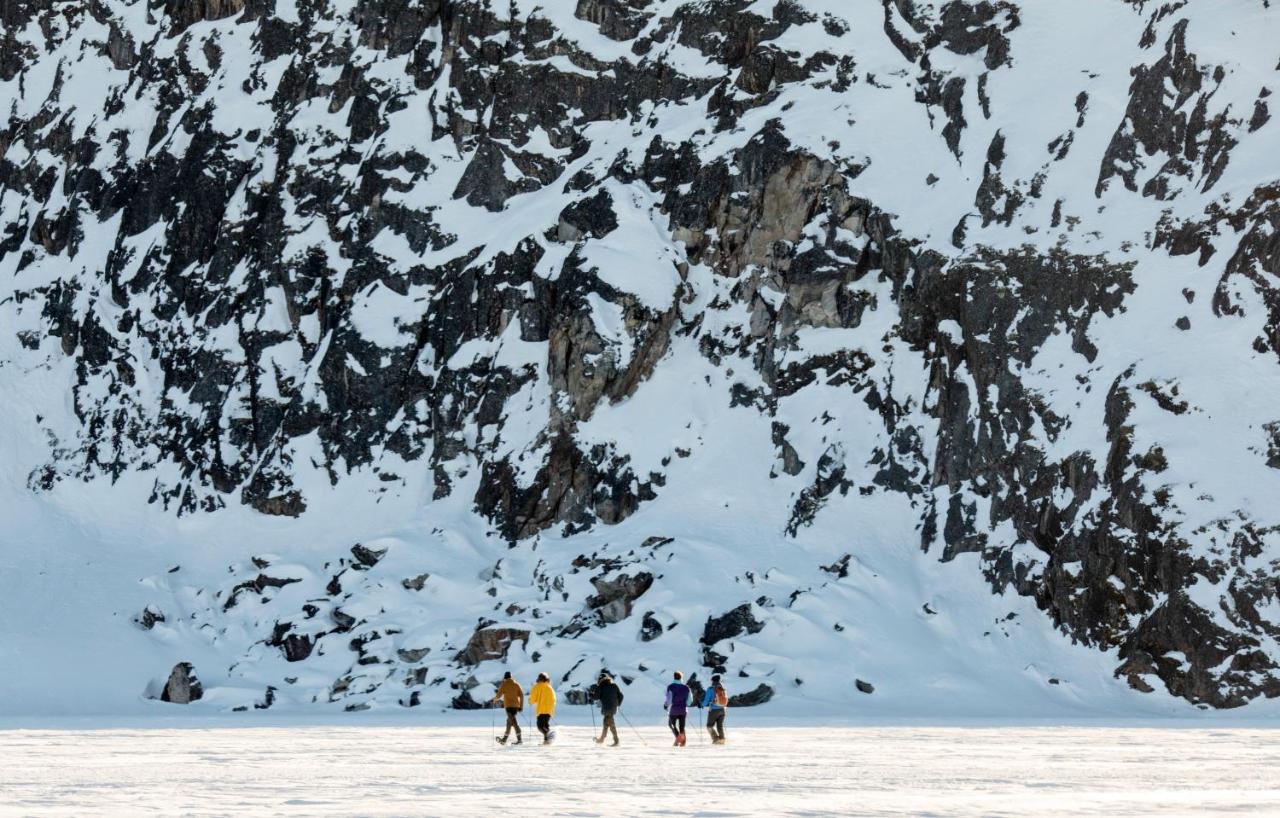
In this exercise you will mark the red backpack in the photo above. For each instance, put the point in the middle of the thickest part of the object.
(721, 698)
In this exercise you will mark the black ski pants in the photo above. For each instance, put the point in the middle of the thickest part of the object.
(512, 722)
(715, 724)
(676, 723)
(544, 725)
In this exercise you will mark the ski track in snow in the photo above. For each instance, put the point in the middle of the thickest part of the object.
(777, 771)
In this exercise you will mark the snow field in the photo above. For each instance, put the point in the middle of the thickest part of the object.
(775, 771)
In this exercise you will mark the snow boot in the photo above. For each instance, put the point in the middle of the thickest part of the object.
(501, 739)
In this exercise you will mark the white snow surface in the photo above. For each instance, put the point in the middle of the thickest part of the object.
(771, 771)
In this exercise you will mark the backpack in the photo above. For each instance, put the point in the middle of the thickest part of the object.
(721, 698)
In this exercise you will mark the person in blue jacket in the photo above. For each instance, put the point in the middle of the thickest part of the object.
(677, 707)
(715, 700)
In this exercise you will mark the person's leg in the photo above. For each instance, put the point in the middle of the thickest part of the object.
(511, 722)
(711, 723)
(720, 725)
(680, 721)
(672, 721)
(613, 728)
(544, 726)
(604, 726)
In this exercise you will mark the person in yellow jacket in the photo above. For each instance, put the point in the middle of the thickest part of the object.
(543, 699)
(512, 698)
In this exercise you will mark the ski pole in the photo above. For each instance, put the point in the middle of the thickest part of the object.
(633, 727)
(493, 726)
(702, 715)
(592, 707)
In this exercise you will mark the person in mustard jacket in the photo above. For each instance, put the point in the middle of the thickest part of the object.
(543, 699)
(512, 698)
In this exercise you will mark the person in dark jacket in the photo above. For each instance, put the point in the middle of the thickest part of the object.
(512, 698)
(677, 707)
(610, 697)
(715, 700)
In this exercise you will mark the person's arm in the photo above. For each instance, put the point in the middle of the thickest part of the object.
(666, 702)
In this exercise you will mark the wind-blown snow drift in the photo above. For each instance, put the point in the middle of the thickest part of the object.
(355, 350)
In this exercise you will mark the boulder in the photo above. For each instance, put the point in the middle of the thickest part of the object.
(149, 618)
(463, 701)
(412, 654)
(734, 623)
(650, 628)
(864, 687)
(614, 597)
(415, 583)
(367, 557)
(490, 643)
(751, 698)
(183, 687)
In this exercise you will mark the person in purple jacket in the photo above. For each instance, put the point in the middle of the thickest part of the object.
(677, 707)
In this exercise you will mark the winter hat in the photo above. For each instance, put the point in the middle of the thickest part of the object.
(507, 675)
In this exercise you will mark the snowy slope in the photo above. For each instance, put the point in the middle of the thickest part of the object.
(381, 346)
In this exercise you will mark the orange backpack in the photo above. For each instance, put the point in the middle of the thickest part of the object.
(721, 698)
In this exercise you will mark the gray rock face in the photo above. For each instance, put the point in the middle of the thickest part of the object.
(319, 291)
(182, 687)
(490, 643)
(614, 597)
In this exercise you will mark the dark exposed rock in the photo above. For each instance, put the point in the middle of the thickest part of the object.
(577, 695)
(415, 583)
(182, 687)
(650, 628)
(737, 622)
(761, 694)
(490, 643)
(864, 687)
(257, 585)
(149, 618)
(367, 557)
(294, 646)
(614, 597)
(412, 654)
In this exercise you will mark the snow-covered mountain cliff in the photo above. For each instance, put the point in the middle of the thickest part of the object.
(919, 356)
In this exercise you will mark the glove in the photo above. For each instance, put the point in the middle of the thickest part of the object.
(664, 708)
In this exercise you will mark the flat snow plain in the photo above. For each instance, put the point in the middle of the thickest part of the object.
(774, 771)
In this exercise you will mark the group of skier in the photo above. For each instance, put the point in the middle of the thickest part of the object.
(679, 698)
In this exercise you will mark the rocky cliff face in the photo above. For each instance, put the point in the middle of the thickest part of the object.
(1002, 274)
